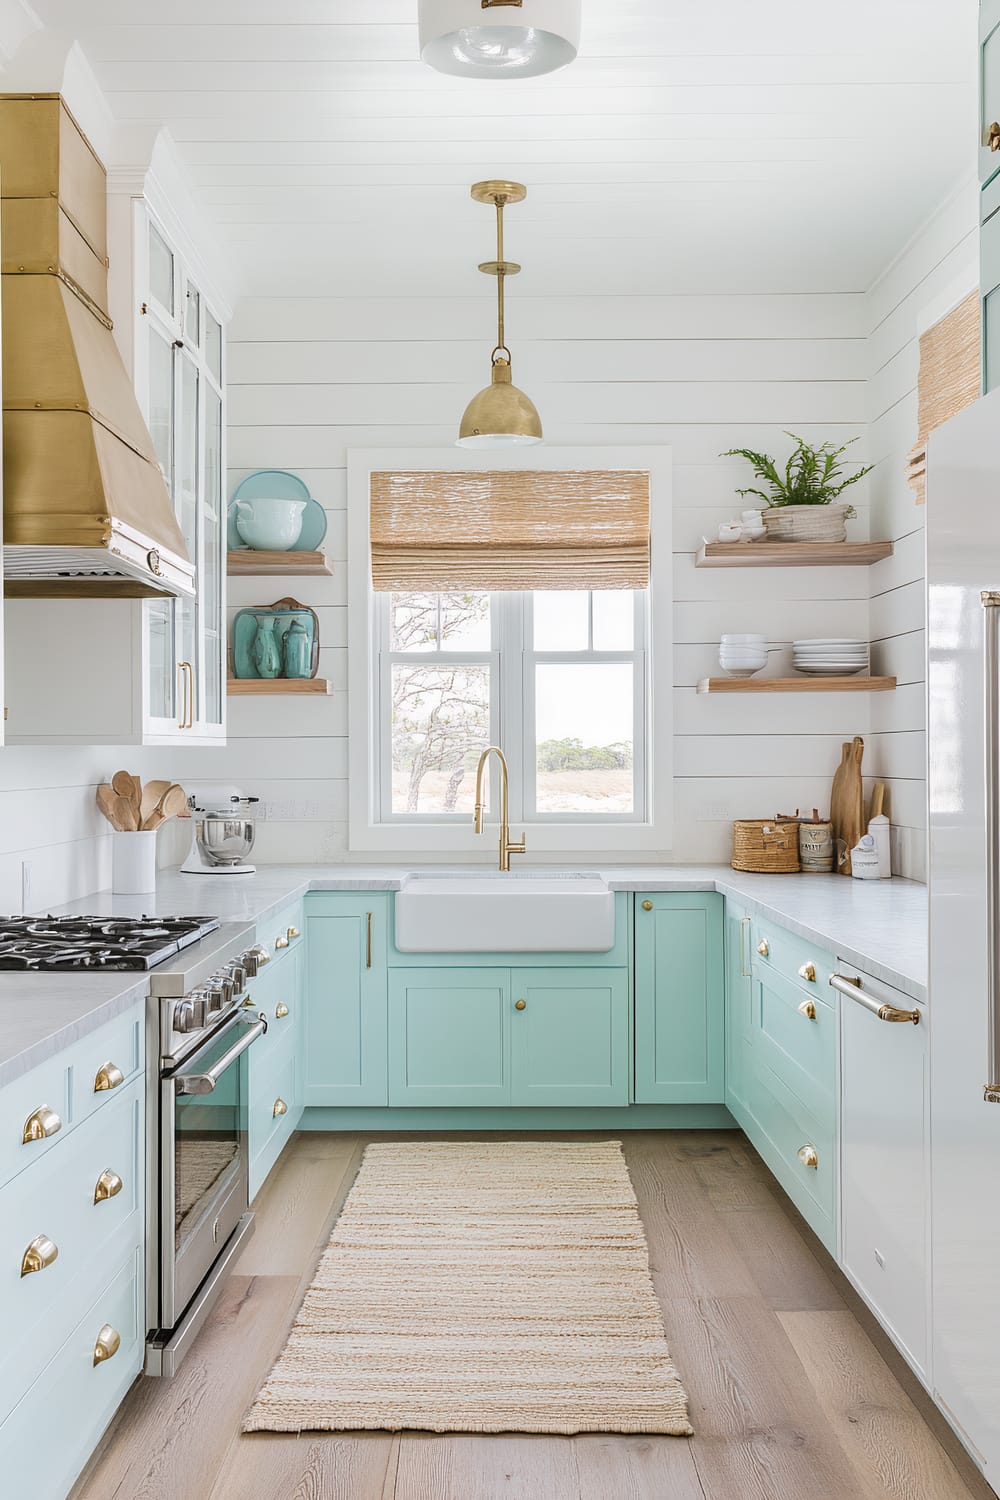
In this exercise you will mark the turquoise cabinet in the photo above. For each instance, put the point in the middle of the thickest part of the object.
(989, 85)
(345, 1034)
(275, 1065)
(679, 999)
(569, 1036)
(449, 1036)
(739, 997)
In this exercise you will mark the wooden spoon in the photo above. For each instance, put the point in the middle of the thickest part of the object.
(173, 804)
(117, 811)
(151, 794)
(125, 785)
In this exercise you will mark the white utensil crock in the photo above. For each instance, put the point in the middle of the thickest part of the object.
(133, 862)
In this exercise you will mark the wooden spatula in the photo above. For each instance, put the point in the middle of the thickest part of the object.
(151, 794)
(125, 786)
(171, 805)
(117, 811)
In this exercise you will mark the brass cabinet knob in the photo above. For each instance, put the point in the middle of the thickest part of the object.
(293, 932)
(281, 942)
(39, 1254)
(763, 947)
(808, 1009)
(808, 972)
(107, 1344)
(110, 1076)
(647, 906)
(991, 136)
(44, 1122)
(280, 1108)
(281, 1011)
(808, 1156)
(521, 1005)
(109, 1185)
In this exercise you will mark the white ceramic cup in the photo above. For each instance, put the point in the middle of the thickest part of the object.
(133, 862)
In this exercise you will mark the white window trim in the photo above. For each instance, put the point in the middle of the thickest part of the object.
(427, 839)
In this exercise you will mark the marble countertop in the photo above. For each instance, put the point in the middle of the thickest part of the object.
(880, 926)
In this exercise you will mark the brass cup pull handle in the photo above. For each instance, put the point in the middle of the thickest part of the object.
(281, 1011)
(44, 1122)
(281, 942)
(110, 1076)
(293, 932)
(521, 1005)
(808, 1009)
(280, 1108)
(107, 1344)
(764, 948)
(808, 1156)
(39, 1254)
(808, 973)
(647, 906)
(109, 1185)
(263, 957)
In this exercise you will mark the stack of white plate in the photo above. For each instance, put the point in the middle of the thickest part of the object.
(743, 655)
(830, 657)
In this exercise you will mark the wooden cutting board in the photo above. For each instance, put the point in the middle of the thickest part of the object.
(847, 802)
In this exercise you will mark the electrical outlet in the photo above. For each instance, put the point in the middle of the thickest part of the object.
(25, 885)
(715, 812)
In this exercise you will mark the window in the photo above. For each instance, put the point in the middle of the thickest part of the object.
(558, 679)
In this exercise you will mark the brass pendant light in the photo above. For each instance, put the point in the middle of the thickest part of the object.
(500, 416)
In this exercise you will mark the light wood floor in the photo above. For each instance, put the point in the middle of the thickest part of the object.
(794, 1393)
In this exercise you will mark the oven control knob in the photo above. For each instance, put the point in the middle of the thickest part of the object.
(238, 974)
(216, 997)
(199, 1002)
(223, 984)
(184, 1016)
(251, 962)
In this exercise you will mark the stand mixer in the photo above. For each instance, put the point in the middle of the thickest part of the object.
(223, 831)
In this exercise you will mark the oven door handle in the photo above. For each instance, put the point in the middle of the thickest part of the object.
(204, 1083)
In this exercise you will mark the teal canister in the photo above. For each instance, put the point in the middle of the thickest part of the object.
(266, 651)
(297, 651)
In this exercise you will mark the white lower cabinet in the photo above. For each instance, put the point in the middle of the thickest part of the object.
(885, 1211)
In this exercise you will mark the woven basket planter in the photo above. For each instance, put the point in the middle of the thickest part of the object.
(806, 523)
(765, 847)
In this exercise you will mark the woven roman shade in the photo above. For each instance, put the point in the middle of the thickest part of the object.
(948, 382)
(533, 529)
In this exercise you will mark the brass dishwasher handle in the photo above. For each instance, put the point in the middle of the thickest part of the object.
(44, 1122)
(39, 1254)
(107, 1344)
(854, 990)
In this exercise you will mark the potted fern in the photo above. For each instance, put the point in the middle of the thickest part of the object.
(801, 503)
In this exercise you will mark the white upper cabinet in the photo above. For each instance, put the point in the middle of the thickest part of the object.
(989, 84)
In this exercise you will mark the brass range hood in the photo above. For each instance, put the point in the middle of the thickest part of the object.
(86, 510)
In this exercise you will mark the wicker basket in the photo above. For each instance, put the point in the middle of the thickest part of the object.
(765, 846)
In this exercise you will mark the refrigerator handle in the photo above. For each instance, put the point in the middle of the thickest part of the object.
(991, 668)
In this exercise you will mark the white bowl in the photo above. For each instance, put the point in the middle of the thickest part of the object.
(741, 671)
(743, 640)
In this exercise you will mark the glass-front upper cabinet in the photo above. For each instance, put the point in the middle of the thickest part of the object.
(179, 379)
(989, 89)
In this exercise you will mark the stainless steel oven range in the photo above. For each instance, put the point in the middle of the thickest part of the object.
(201, 1024)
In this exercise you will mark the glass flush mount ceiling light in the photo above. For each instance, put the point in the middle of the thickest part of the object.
(499, 38)
(500, 416)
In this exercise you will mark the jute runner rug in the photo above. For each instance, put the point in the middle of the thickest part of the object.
(481, 1287)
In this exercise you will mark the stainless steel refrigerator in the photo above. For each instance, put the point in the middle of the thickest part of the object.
(963, 617)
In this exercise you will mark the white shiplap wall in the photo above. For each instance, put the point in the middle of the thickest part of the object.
(312, 378)
(932, 274)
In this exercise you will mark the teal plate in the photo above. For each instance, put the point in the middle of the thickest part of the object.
(281, 485)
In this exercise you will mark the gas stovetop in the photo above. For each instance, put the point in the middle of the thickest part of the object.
(96, 942)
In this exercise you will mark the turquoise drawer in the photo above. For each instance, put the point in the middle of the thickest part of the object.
(282, 934)
(795, 958)
(273, 1110)
(50, 1434)
(64, 1200)
(796, 1034)
(64, 1087)
(277, 991)
(786, 1127)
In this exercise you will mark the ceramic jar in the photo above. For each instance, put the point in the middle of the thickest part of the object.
(266, 651)
(296, 651)
(270, 525)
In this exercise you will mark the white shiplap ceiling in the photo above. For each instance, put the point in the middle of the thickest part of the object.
(695, 145)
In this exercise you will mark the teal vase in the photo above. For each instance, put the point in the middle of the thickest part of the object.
(266, 651)
(297, 651)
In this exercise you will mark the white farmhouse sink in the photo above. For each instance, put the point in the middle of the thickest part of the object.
(505, 914)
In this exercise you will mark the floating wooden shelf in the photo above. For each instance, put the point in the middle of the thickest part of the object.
(791, 554)
(238, 687)
(270, 564)
(801, 684)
